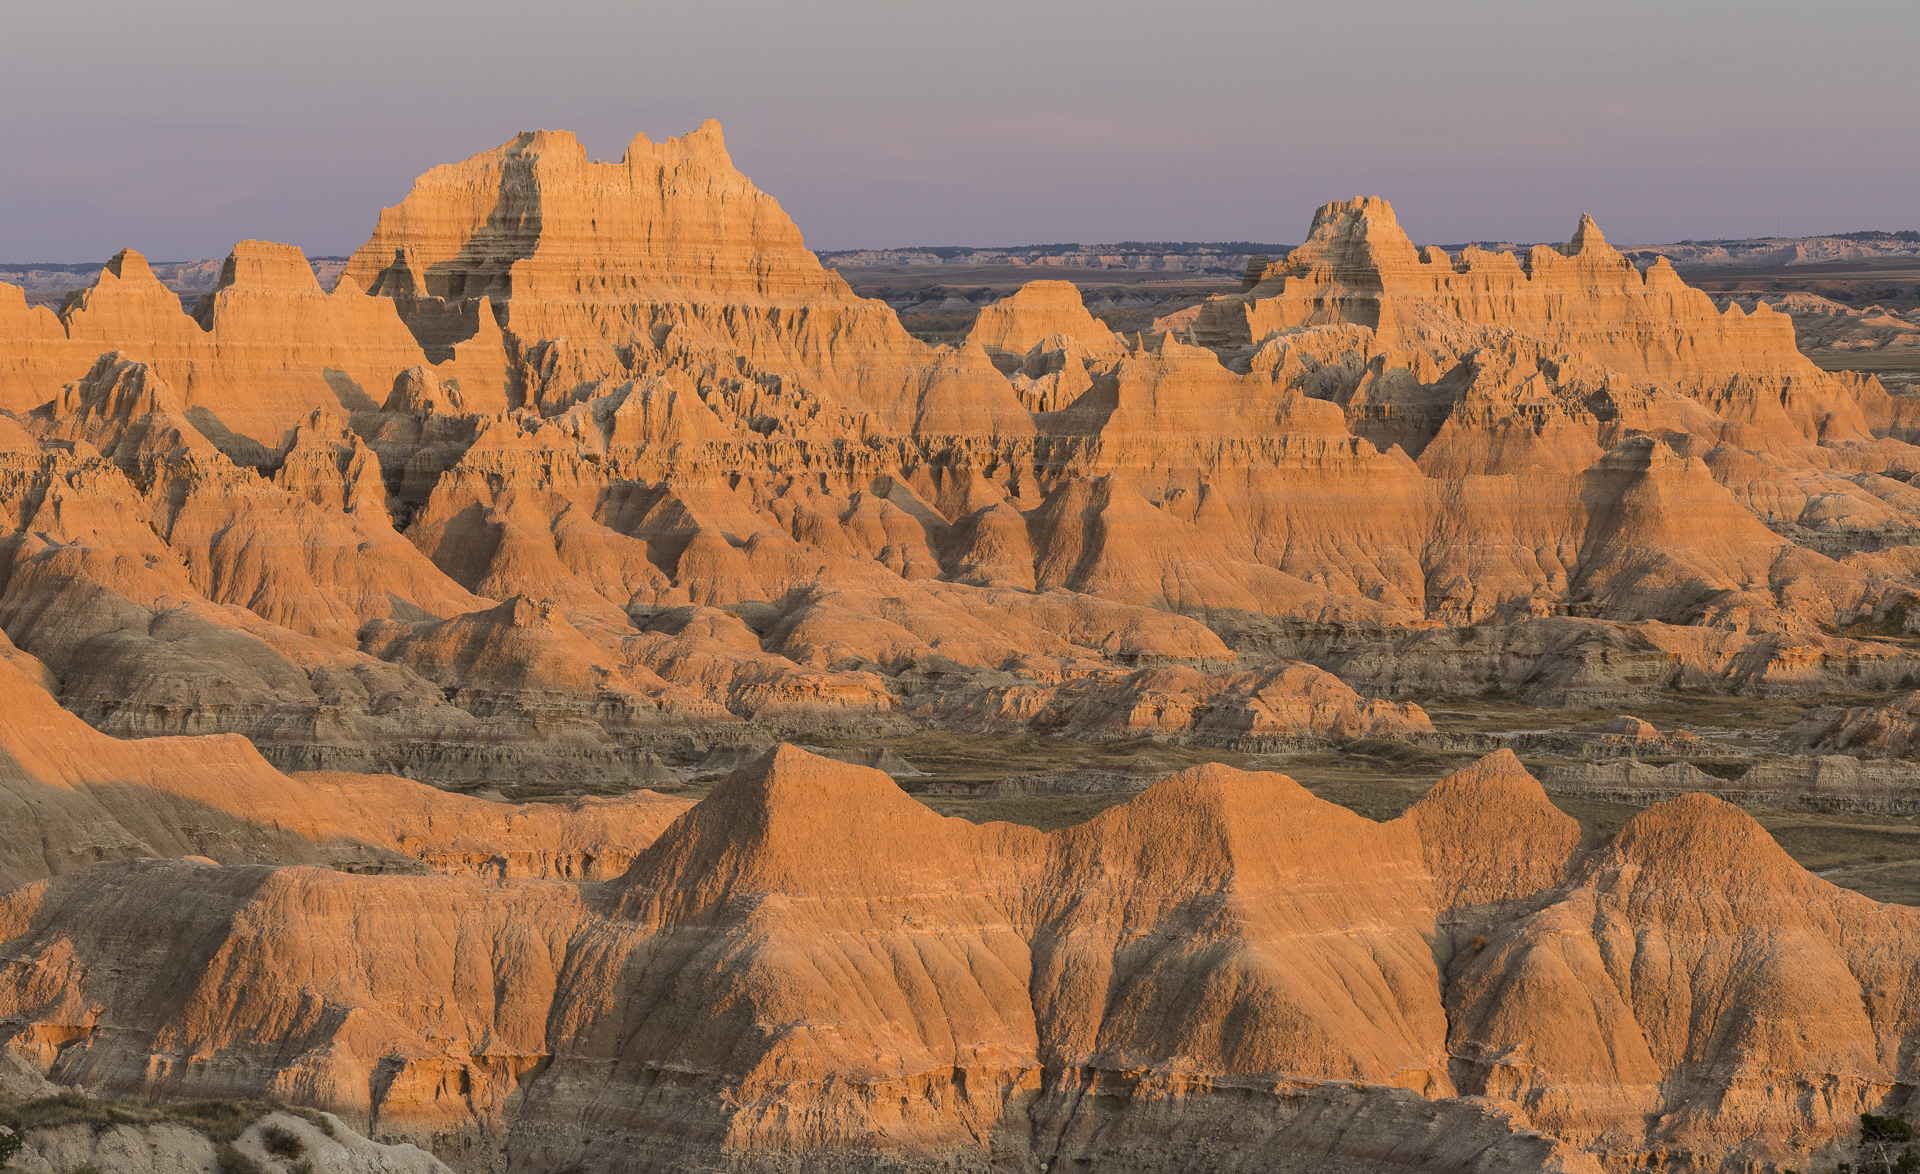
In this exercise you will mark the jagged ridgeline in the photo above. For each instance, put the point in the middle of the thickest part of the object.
(586, 473)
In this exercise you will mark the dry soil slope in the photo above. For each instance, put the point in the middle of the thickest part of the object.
(73, 797)
(810, 963)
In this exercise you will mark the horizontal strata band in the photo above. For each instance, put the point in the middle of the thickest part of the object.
(586, 484)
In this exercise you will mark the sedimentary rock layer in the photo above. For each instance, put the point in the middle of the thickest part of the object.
(1223, 973)
(583, 467)
(72, 797)
(581, 463)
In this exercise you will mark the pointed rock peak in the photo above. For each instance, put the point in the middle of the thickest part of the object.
(797, 823)
(1588, 240)
(117, 387)
(319, 427)
(1213, 822)
(1497, 786)
(14, 438)
(788, 782)
(418, 389)
(1037, 311)
(129, 265)
(1219, 787)
(1489, 833)
(400, 279)
(1172, 346)
(1500, 772)
(1704, 840)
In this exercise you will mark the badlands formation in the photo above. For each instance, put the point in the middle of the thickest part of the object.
(588, 477)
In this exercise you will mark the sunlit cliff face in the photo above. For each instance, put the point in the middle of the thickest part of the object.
(587, 476)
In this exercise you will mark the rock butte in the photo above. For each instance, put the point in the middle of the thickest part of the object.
(584, 463)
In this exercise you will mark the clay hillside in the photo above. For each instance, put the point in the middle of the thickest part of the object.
(509, 700)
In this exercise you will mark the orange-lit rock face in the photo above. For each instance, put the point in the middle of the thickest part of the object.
(832, 971)
(626, 390)
(586, 463)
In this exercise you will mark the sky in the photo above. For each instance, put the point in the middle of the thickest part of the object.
(180, 128)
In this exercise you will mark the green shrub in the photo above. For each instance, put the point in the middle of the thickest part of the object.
(1884, 1146)
(1887, 1130)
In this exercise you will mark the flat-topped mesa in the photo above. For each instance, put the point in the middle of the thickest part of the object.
(670, 249)
(533, 223)
(1352, 254)
(1037, 311)
(1358, 266)
(1356, 241)
(259, 267)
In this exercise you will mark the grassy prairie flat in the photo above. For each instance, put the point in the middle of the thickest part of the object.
(1893, 282)
(1763, 715)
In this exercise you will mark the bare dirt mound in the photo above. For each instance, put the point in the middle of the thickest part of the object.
(827, 967)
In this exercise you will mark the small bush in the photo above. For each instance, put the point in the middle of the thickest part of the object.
(222, 1121)
(9, 1146)
(282, 1143)
(232, 1161)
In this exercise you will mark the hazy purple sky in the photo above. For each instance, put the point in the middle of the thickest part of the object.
(181, 127)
